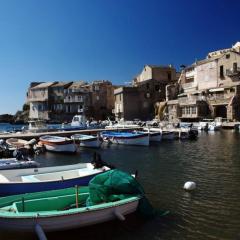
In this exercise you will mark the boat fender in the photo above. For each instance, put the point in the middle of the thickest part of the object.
(189, 186)
(118, 215)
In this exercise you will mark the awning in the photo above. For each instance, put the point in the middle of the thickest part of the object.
(216, 90)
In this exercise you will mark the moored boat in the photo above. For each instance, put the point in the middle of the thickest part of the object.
(73, 207)
(16, 142)
(13, 163)
(168, 135)
(79, 121)
(126, 138)
(58, 144)
(48, 178)
(155, 134)
(86, 140)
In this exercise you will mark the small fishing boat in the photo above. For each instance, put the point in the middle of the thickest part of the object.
(16, 142)
(155, 134)
(71, 208)
(58, 144)
(126, 138)
(13, 163)
(86, 140)
(168, 135)
(48, 178)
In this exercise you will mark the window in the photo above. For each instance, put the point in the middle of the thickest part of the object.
(183, 110)
(194, 110)
(169, 76)
(96, 88)
(232, 90)
(221, 71)
(234, 67)
(97, 97)
(227, 56)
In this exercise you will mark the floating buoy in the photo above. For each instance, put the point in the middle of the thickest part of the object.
(189, 186)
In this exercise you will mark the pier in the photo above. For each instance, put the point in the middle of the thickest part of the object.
(28, 136)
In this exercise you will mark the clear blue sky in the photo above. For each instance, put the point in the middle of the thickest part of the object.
(48, 40)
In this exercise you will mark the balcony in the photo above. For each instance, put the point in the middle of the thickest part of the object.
(74, 99)
(233, 72)
(188, 85)
(219, 99)
(191, 100)
(37, 99)
(190, 74)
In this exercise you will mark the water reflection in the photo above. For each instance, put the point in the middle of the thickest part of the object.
(212, 211)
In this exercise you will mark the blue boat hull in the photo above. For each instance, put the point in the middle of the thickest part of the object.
(20, 188)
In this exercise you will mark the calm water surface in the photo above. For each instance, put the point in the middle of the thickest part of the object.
(211, 212)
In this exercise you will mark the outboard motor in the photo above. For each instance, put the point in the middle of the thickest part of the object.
(97, 162)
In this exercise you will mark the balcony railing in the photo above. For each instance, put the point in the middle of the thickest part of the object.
(73, 100)
(233, 72)
(192, 99)
(37, 99)
(188, 85)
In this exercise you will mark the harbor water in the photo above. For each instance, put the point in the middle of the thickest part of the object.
(212, 211)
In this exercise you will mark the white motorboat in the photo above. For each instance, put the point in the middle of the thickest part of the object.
(58, 144)
(79, 121)
(209, 125)
(86, 140)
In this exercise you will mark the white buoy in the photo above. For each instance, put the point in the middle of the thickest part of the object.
(189, 186)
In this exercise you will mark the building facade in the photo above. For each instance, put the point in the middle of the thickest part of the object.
(149, 87)
(38, 97)
(60, 101)
(210, 88)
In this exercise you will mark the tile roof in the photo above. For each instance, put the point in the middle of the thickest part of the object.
(43, 85)
(61, 84)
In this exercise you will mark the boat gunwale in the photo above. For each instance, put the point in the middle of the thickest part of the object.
(53, 181)
(69, 212)
(134, 136)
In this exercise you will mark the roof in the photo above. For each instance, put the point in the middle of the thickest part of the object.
(77, 84)
(61, 84)
(43, 85)
(159, 66)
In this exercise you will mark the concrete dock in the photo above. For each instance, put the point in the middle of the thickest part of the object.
(28, 135)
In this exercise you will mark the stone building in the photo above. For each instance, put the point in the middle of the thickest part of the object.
(57, 108)
(210, 87)
(147, 88)
(60, 101)
(102, 99)
(38, 97)
(76, 99)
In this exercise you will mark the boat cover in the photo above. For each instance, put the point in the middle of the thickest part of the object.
(116, 185)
